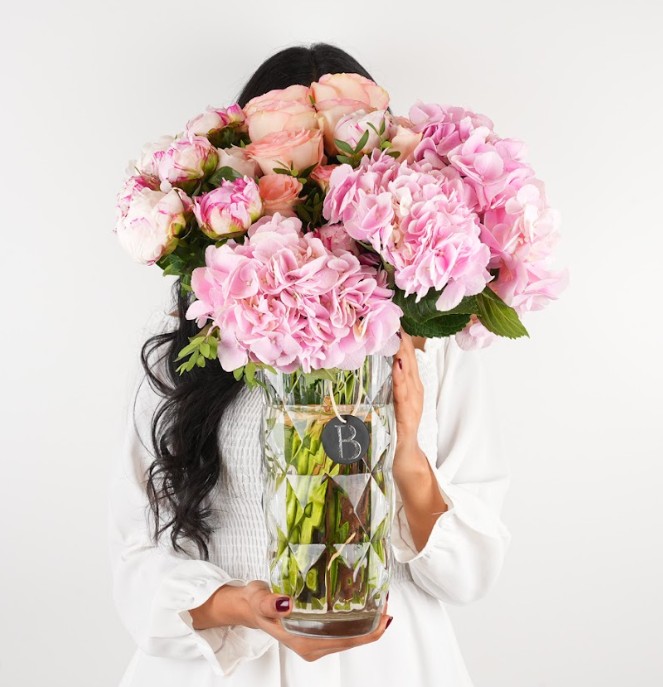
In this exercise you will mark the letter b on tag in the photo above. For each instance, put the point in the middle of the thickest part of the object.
(345, 442)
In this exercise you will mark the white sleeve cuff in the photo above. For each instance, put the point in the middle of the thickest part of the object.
(187, 586)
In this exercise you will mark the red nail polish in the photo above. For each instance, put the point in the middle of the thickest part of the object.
(400, 363)
(391, 617)
(282, 604)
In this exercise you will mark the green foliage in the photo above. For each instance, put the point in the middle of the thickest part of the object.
(200, 348)
(423, 318)
(498, 317)
(222, 174)
(228, 136)
(188, 254)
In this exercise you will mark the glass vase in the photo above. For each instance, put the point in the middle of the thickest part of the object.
(328, 494)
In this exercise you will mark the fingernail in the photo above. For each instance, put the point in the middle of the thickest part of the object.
(391, 617)
(400, 363)
(283, 604)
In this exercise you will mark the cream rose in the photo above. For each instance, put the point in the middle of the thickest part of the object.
(403, 138)
(299, 149)
(343, 86)
(236, 157)
(280, 115)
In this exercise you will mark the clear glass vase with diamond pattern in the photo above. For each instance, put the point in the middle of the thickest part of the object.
(328, 522)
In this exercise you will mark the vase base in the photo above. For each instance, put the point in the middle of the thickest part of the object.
(351, 624)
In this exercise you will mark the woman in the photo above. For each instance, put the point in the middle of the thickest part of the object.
(196, 601)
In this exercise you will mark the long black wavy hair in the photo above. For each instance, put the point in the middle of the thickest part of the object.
(184, 426)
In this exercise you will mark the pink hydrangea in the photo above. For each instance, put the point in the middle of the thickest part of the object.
(521, 236)
(421, 222)
(443, 129)
(282, 298)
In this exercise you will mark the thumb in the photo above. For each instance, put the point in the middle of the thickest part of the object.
(275, 605)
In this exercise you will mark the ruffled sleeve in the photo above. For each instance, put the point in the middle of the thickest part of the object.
(154, 586)
(460, 435)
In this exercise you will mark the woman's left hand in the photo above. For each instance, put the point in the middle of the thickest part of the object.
(408, 395)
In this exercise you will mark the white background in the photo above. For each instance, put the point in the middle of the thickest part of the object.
(84, 85)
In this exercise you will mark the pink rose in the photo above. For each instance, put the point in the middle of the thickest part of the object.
(236, 158)
(214, 119)
(334, 87)
(340, 94)
(321, 175)
(280, 193)
(403, 138)
(300, 149)
(187, 159)
(228, 209)
(288, 109)
(295, 92)
(153, 220)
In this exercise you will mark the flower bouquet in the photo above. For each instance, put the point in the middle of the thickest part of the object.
(309, 226)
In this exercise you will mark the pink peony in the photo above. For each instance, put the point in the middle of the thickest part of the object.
(351, 127)
(280, 193)
(214, 119)
(187, 159)
(132, 186)
(149, 228)
(301, 149)
(149, 158)
(228, 209)
(283, 299)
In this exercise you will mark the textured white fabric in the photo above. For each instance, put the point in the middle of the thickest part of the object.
(154, 586)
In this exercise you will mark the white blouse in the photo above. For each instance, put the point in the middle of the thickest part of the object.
(153, 586)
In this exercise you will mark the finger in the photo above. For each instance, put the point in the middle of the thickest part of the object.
(399, 380)
(275, 606)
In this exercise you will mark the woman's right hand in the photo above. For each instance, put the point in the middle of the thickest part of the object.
(254, 605)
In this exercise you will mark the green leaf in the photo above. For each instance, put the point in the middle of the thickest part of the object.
(361, 142)
(344, 158)
(222, 174)
(345, 147)
(373, 127)
(436, 327)
(498, 317)
(237, 374)
(394, 153)
(382, 126)
(426, 309)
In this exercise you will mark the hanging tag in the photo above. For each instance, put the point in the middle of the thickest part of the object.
(345, 442)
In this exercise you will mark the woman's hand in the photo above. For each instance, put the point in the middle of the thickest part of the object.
(255, 606)
(413, 474)
(408, 401)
